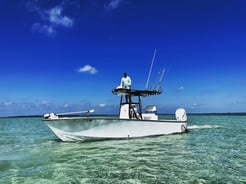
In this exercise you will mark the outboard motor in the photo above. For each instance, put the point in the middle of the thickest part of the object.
(181, 115)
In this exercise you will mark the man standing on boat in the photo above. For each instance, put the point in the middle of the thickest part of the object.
(126, 83)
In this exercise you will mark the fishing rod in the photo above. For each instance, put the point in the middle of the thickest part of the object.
(158, 85)
(153, 59)
(162, 75)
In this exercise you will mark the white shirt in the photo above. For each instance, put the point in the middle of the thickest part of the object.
(126, 82)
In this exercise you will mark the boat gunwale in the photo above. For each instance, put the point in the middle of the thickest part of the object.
(116, 119)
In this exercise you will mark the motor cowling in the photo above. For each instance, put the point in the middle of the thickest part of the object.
(181, 115)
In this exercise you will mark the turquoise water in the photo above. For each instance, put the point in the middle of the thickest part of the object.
(213, 151)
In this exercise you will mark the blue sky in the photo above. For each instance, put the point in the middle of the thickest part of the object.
(61, 56)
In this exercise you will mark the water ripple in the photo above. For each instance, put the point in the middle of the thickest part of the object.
(213, 151)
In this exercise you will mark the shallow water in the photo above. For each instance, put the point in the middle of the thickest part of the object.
(213, 151)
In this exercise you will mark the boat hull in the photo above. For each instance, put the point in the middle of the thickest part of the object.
(87, 128)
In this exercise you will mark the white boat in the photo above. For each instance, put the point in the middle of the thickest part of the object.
(131, 123)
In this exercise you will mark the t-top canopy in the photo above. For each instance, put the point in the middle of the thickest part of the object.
(133, 92)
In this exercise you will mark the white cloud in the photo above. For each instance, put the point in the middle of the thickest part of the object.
(45, 102)
(195, 105)
(113, 4)
(102, 105)
(66, 105)
(55, 17)
(43, 28)
(181, 88)
(89, 69)
(50, 19)
(7, 103)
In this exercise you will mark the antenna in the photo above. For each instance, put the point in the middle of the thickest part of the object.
(158, 86)
(153, 59)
